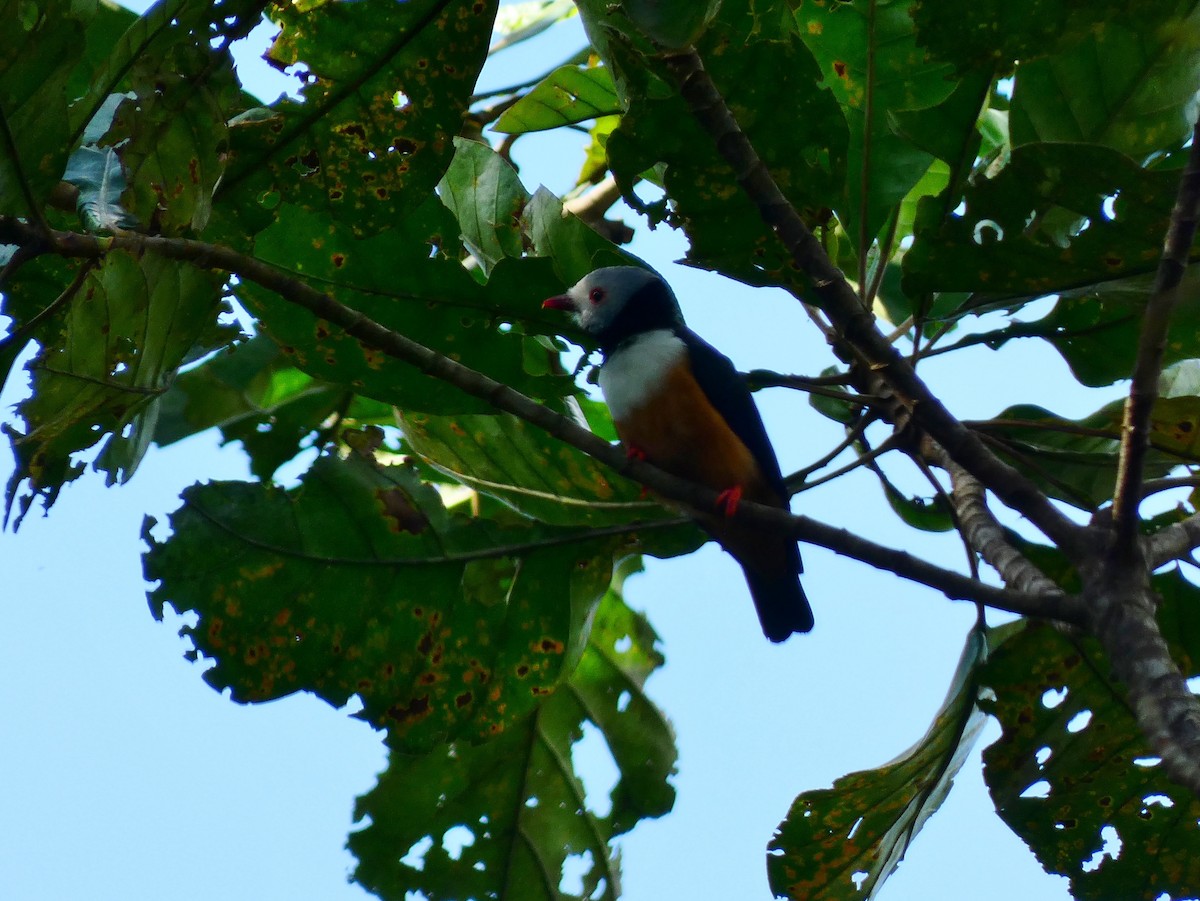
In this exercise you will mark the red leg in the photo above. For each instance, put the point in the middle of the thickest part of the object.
(633, 452)
(728, 500)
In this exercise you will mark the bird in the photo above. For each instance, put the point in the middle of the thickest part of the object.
(679, 403)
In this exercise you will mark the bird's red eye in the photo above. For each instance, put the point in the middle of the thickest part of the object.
(596, 295)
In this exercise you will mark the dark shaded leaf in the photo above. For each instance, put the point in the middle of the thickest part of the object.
(1127, 86)
(998, 245)
(400, 279)
(39, 47)
(1072, 775)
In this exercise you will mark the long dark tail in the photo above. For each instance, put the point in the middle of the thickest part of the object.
(781, 604)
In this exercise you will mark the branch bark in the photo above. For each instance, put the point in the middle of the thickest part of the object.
(500, 396)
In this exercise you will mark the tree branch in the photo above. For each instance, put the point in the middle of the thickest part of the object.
(855, 323)
(500, 396)
(1121, 605)
(1174, 542)
(1143, 392)
(985, 534)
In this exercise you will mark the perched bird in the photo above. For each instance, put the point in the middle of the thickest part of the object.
(680, 404)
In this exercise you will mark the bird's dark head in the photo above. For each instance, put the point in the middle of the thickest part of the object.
(617, 302)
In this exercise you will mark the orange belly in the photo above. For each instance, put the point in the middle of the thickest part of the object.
(680, 431)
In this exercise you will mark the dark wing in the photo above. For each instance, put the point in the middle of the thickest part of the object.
(727, 392)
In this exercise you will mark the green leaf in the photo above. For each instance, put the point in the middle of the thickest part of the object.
(1072, 764)
(528, 469)
(515, 805)
(869, 59)
(39, 47)
(843, 842)
(387, 87)
(1128, 87)
(1003, 246)
(573, 248)
(997, 32)
(254, 395)
(567, 96)
(400, 279)
(1076, 460)
(756, 59)
(129, 327)
(360, 582)
(486, 196)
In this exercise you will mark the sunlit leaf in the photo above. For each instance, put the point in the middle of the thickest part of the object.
(843, 842)
(566, 96)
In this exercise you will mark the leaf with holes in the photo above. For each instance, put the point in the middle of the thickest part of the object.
(567, 96)
(507, 818)
(386, 86)
(1072, 775)
(1009, 241)
(843, 842)
(359, 581)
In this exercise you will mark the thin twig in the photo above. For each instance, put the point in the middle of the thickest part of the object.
(1143, 392)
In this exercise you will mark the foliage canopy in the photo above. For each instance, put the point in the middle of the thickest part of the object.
(459, 569)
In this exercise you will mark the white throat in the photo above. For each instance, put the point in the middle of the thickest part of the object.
(636, 370)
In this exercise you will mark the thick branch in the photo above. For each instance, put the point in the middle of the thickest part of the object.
(854, 322)
(1143, 392)
(1121, 613)
(1173, 542)
(502, 397)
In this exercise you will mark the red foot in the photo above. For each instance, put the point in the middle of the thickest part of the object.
(633, 452)
(728, 500)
